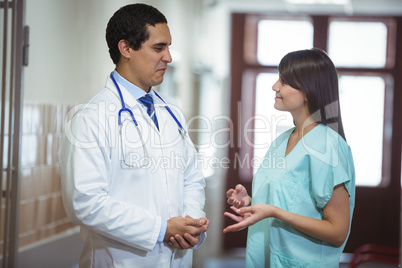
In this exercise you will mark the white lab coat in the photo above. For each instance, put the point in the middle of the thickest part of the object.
(120, 208)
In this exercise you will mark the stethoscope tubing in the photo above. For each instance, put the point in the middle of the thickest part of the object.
(125, 109)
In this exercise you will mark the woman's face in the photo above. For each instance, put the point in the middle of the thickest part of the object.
(288, 98)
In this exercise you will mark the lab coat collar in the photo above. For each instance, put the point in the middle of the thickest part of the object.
(137, 108)
(129, 100)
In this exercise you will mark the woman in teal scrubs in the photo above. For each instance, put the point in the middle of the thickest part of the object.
(301, 207)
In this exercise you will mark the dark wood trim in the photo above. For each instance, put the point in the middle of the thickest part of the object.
(377, 213)
(10, 4)
(320, 24)
(237, 65)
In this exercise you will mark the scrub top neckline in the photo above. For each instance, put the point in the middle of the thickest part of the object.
(297, 144)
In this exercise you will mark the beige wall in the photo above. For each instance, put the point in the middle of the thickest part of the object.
(69, 59)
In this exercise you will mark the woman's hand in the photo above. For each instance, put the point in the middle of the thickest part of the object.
(248, 216)
(238, 197)
(333, 228)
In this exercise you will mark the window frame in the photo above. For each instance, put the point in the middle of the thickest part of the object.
(253, 68)
(374, 206)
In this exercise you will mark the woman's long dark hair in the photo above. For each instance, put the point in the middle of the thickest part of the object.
(313, 72)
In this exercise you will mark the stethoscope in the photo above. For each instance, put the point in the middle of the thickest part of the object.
(144, 162)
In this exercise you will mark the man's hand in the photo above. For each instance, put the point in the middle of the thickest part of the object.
(184, 233)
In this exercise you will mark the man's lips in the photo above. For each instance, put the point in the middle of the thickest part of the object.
(162, 69)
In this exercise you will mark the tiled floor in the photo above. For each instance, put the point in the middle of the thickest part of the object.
(225, 263)
(239, 262)
(53, 254)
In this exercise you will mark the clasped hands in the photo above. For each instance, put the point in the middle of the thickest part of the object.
(184, 232)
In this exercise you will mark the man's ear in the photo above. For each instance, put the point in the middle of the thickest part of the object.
(124, 48)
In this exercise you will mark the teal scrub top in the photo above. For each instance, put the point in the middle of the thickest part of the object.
(301, 182)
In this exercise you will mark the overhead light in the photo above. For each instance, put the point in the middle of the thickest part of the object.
(319, 2)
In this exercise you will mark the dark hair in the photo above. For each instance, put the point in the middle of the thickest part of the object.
(130, 23)
(313, 72)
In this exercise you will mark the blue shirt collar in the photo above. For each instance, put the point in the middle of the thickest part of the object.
(135, 91)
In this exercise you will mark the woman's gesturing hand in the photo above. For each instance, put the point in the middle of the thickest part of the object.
(238, 197)
(248, 216)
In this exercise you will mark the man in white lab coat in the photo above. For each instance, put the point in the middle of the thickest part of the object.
(130, 174)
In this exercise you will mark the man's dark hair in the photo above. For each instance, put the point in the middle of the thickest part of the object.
(130, 23)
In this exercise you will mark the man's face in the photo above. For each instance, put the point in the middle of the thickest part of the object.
(149, 63)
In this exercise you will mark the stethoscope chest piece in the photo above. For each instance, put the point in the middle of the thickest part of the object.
(183, 132)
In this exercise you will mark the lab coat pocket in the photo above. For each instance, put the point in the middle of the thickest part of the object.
(159, 260)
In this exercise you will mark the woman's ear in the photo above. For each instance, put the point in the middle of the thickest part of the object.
(124, 48)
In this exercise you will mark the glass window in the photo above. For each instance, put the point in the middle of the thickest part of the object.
(363, 126)
(358, 44)
(269, 123)
(351, 44)
(276, 38)
(362, 108)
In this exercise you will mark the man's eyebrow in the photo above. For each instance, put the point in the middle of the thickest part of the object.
(162, 44)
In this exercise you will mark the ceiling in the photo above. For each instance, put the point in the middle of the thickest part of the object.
(349, 7)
